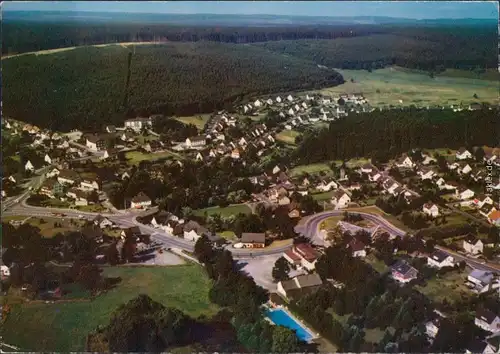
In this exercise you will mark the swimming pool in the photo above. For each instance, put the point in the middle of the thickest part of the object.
(282, 318)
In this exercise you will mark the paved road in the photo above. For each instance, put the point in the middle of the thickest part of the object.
(310, 228)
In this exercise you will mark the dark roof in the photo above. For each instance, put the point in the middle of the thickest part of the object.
(402, 267)
(250, 237)
(194, 226)
(198, 138)
(439, 256)
(476, 346)
(461, 150)
(111, 128)
(309, 280)
(94, 138)
(69, 174)
(485, 315)
(470, 238)
(99, 218)
(141, 197)
(132, 231)
(356, 245)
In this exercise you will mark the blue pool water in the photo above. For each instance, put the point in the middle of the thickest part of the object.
(281, 317)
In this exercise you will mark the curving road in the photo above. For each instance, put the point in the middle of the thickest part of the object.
(310, 228)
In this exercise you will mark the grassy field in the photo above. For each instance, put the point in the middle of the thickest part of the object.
(287, 136)
(64, 326)
(199, 121)
(449, 286)
(388, 86)
(46, 226)
(225, 212)
(321, 197)
(311, 169)
(228, 235)
(376, 264)
(134, 157)
(330, 223)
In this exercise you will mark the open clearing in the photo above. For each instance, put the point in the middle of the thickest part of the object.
(134, 157)
(287, 136)
(388, 86)
(64, 326)
(199, 120)
(234, 209)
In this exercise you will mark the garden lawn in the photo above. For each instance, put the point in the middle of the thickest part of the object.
(46, 227)
(321, 197)
(234, 209)
(449, 286)
(311, 169)
(64, 326)
(287, 136)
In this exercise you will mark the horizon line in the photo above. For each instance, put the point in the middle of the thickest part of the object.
(247, 15)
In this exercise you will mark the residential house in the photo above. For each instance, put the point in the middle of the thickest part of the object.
(426, 173)
(283, 200)
(253, 240)
(196, 142)
(235, 154)
(153, 146)
(90, 184)
(490, 345)
(192, 231)
(47, 159)
(278, 99)
(487, 320)
(102, 221)
(140, 201)
(440, 259)
(487, 210)
(433, 325)
(29, 166)
(357, 248)
(494, 218)
(95, 142)
(51, 188)
(482, 200)
(463, 154)
(290, 98)
(257, 103)
(463, 193)
(428, 159)
(403, 272)
(291, 112)
(405, 162)
(68, 177)
(481, 281)
(368, 168)
(132, 232)
(111, 129)
(431, 209)
(302, 255)
(340, 199)
(127, 137)
(137, 124)
(465, 169)
(473, 245)
(81, 198)
(300, 285)
(374, 176)
(326, 187)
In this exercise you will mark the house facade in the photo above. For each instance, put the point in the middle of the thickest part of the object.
(140, 201)
(403, 272)
(302, 255)
(473, 245)
(487, 320)
(137, 124)
(440, 259)
(431, 209)
(253, 240)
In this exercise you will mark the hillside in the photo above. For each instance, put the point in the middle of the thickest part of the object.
(426, 50)
(87, 87)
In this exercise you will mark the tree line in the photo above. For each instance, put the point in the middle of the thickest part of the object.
(384, 134)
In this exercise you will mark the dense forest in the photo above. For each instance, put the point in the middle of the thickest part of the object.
(387, 133)
(84, 87)
(426, 50)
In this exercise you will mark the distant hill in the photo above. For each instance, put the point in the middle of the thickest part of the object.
(219, 19)
(88, 87)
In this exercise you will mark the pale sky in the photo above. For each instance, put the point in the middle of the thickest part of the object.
(401, 9)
